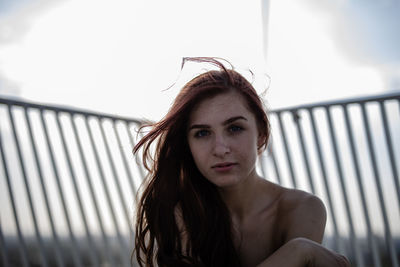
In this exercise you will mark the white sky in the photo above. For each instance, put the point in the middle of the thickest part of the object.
(119, 56)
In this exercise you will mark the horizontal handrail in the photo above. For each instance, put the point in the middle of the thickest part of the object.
(60, 108)
(342, 102)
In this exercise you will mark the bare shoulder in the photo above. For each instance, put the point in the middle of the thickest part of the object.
(298, 200)
(302, 215)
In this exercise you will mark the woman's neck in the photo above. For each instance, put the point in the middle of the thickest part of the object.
(242, 198)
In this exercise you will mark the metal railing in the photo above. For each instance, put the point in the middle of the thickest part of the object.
(347, 153)
(68, 178)
(67, 186)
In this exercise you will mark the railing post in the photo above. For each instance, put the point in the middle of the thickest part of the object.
(59, 256)
(92, 193)
(354, 246)
(22, 245)
(371, 238)
(74, 248)
(275, 165)
(28, 190)
(121, 240)
(115, 174)
(388, 235)
(287, 150)
(92, 254)
(296, 119)
(389, 146)
(325, 179)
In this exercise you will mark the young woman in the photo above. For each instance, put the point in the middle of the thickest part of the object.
(203, 203)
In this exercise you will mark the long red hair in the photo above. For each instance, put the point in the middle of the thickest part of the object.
(174, 181)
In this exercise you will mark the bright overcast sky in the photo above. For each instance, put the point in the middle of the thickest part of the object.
(119, 56)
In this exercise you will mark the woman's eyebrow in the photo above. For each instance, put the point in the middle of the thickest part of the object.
(199, 126)
(228, 121)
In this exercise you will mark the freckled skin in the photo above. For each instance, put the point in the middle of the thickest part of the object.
(234, 143)
(223, 132)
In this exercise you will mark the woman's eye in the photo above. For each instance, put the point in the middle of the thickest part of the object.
(235, 128)
(201, 133)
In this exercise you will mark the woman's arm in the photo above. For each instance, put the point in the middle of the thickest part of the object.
(302, 252)
(302, 223)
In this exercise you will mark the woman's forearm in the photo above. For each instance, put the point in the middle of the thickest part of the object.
(291, 254)
(302, 252)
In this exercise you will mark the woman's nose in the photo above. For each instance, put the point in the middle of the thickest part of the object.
(221, 147)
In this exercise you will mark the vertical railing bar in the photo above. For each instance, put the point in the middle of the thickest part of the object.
(115, 174)
(129, 176)
(22, 247)
(285, 144)
(107, 192)
(353, 241)
(59, 256)
(92, 247)
(388, 235)
(275, 164)
(398, 104)
(325, 179)
(75, 253)
(91, 189)
(28, 191)
(371, 239)
(3, 249)
(389, 146)
(124, 161)
(141, 173)
(140, 167)
(297, 118)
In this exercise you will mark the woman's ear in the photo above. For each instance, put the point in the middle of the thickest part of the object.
(260, 143)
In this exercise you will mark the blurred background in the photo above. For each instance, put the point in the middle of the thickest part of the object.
(122, 58)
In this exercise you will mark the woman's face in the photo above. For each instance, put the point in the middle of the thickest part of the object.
(223, 139)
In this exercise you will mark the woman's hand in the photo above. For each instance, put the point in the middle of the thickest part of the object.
(320, 256)
(303, 252)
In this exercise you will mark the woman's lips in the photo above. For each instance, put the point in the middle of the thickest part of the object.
(223, 167)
